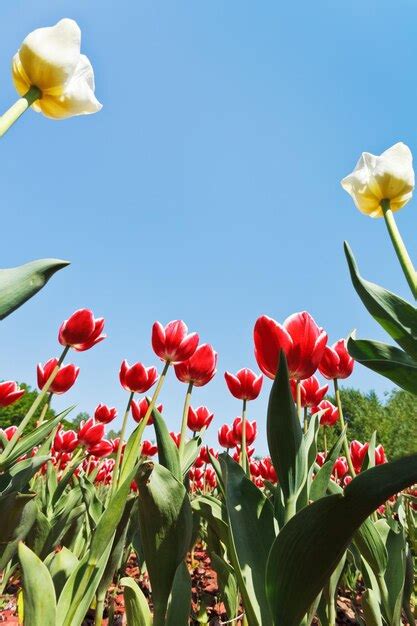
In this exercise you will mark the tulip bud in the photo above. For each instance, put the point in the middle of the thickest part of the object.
(50, 59)
(330, 413)
(137, 378)
(227, 437)
(199, 418)
(101, 449)
(90, 432)
(301, 340)
(200, 368)
(140, 408)
(336, 361)
(311, 392)
(389, 176)
(358, 452)
(8, 432)
(176, 438)
(65, 441)
(10, 392)
(81, 331)
(173, 344)
(148, 448)
(104, 414)
(63, 381)
(251, 430)
(340, 468)
(245, 385)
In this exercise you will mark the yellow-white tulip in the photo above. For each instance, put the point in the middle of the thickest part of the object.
(50, 59)
(389, 176)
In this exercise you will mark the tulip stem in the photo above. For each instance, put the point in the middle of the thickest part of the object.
(342, 424)
(399, 247)
(243, 455)
(45, 409)
(115, 480)
(34, 407)
(184, 421)
(18, 108)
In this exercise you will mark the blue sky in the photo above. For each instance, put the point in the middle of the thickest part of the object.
(208, 187)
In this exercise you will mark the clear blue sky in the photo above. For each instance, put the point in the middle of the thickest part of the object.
(208, 186)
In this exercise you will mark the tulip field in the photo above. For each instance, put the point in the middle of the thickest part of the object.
(158, 527)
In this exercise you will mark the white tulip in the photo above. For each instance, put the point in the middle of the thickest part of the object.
(389, 176)
(50, 59)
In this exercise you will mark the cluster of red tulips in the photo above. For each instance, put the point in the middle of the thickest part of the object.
(299, 337)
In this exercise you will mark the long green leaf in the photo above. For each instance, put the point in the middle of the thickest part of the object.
(18, 284)
(38, 590)
(397, 316)
(387, 360)
(302, 547)
(137, 608)
(165, 518)
(167, 450)
(179, 603)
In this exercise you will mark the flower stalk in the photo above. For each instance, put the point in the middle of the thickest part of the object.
(183, 432)
(342, 424)
(18, 108)
(399, 247)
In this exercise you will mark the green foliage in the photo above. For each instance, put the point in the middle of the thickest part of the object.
(12, 415)
(394, 419)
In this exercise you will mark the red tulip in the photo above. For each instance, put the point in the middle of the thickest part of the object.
(200, 368)
(227, 437)
(104, 414)
(65, 441)
(90, 432)
(311, 392)
(340, 468)
(320, 458)
(358, 452)
(380, 457)
(199, 418)
(173, 343)
(300, 338)
(137, 378)
(210, 477)
(140, 408)
(101, 449)
(330, 413)
(336, 361)
(116, 443)
(64, 380)
(267, 470)
(176, 438)
(251, 430)
(8, 432)
(204, 455)
(245, 385)
(81, 331)
(148, 448)
(254, 469)
(10, 392)
(237, 453)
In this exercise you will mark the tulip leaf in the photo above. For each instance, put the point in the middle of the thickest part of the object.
(18, 513)
(215, 514)
(191, 451)
(179, 603)
(19, 475)
(321, 481)
(252, 532)
(369, 543)
(386, 360)
(397, 316)
(371, 610)
(285, 437)
(166, 521)
(19, 284)
(137, 608)
(226, 579)
(38, 589)
(302, 547)
(167, 450)
(61, 565)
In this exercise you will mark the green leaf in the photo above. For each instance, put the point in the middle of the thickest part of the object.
(386, 360)
(226, 579)
(18, 284)
(179, 603)
(215, 514)
(371, 610)
(167, 450)
(137, 609)
(191, 450)
(38, 590)
(321, 481)
(397, 316)
(18, 513)
(19, 475)
(302, 547)
(61, 565)
(166, 522)
(369, 543)
(252, 532)
(285, 437)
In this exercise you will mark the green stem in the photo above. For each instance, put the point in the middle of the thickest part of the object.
(325, 439)
(399, 247)
(18, 108)
(342, 424)
(299, 407)
(98, 618)
(243, 454)
(135, 449)
(184, 421)
(45, 409)
(34, 407)
(305, 418)
(115, 478)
